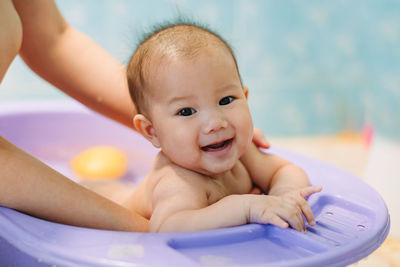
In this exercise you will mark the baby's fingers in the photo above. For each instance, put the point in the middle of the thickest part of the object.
(308, 191)
(296, 221)
(271, 218)
(308, 214)
(291, 212)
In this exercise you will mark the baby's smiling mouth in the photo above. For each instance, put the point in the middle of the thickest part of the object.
(217, 146)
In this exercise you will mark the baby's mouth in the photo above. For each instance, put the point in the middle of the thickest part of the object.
(217, 146)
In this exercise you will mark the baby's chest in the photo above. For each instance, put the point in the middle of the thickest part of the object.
(238, 182)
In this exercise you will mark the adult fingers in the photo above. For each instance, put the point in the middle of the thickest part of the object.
(259, 139)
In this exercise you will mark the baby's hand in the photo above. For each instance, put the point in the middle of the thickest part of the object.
(299, 198)
(284, 210)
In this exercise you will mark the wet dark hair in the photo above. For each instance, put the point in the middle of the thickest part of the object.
(181, 37)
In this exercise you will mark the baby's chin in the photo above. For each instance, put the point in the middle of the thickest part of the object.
(215, 172)
(212, 170)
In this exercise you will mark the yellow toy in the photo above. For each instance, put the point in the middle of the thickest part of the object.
(100, 162)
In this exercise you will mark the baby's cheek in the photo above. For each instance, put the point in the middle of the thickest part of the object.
(247, 130)
(180, 149)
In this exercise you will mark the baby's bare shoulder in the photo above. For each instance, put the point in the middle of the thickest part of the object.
(174, 177)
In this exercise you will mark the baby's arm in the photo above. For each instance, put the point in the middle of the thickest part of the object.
(182, 206)
(278, 177)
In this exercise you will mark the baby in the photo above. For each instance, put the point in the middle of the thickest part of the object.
(185, 83)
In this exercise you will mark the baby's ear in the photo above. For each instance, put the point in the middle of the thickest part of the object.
(144, 126)
(246, 91)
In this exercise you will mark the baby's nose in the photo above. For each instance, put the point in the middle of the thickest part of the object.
(214, 123)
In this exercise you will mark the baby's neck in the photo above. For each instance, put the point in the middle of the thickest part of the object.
(221, 176)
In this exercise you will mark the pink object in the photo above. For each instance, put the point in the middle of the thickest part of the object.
(368, 134)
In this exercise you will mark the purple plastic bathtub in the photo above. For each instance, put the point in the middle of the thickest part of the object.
(352, 219)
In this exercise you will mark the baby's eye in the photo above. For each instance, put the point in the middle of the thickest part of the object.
(226, 100)
(186, 112)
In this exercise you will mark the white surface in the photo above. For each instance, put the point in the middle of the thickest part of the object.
(383, 174)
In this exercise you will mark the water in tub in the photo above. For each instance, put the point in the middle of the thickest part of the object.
(102, 168)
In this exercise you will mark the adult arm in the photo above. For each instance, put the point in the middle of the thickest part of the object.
(73, 62)
(28, 185)
(10, 35)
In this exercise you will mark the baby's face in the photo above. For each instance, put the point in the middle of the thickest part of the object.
(199, 111)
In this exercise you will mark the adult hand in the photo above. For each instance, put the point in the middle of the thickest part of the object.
(259, 139)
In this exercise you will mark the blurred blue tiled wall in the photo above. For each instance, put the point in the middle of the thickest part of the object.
(313, 67)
